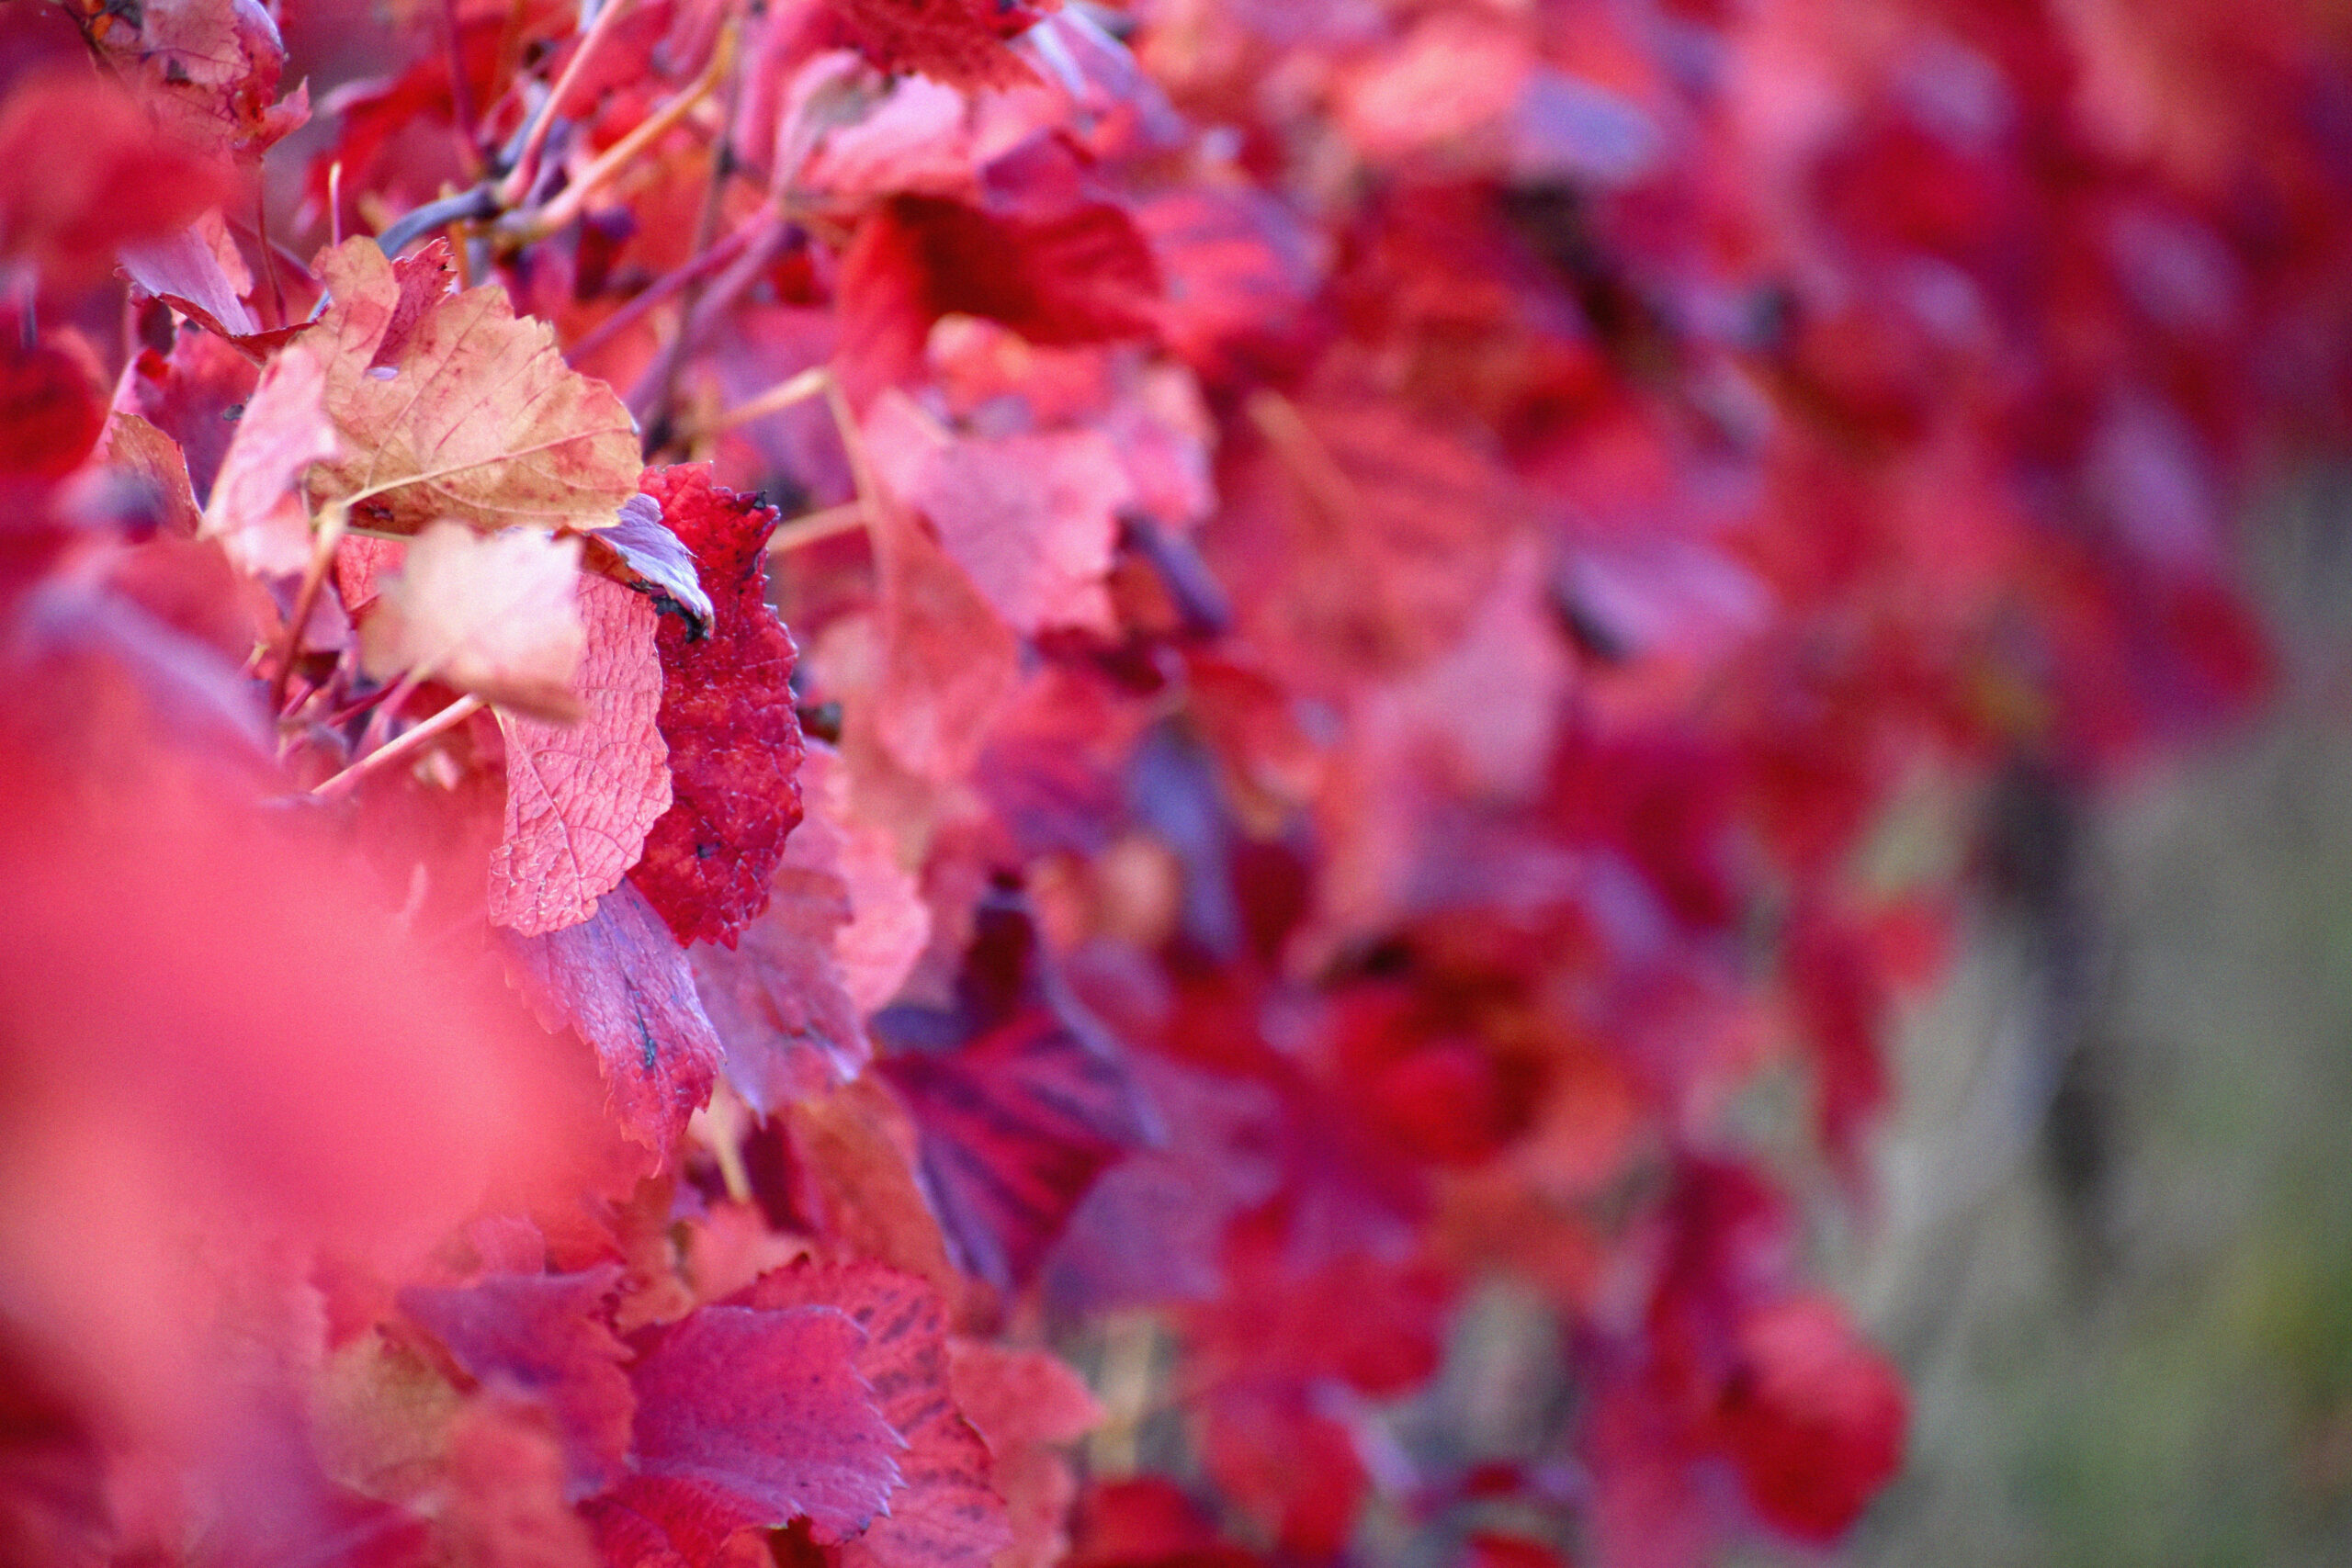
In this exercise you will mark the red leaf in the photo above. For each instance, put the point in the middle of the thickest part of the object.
(1032, 518)
(198, 272)
(548, 1336)
(50, 414)
(212, 66)
(1840, 995)
(153, 461)
(255, 508)
(1293, 1466)
(749, 1418)
(1082, 275)
(68, 200)
(789, 1024)
(580, 797)
(1016, 1126)
(1815, 1417)
(621, 980)
(506, 1506)
(1151, 1230)
(727, 716)
(196, 395)
(944, 1514)
(949, 661)
(1027, 1405)
(957, 41)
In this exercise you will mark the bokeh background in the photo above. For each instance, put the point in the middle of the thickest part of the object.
(2114, 1246)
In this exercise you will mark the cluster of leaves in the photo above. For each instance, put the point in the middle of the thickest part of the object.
(1363, 576)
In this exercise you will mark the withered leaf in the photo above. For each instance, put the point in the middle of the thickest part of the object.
(211, 66)
(451, 408)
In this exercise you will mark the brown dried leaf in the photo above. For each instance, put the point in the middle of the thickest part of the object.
(498, 616)
(463, 413)
(580, 797)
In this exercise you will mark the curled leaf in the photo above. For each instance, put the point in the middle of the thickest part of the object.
(198, 272)
(212, 67)
(642, 550)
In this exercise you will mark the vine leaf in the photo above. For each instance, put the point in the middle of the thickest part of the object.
(581, 796)
(727, 716)
(496, 616)
(620, 979)
(749, 1418)
(452, 408)
(944, 1514)
(256, 507)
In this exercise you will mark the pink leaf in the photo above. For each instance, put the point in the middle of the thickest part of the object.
(749, 1418)
(548, 1336)
(580, 798)
(622, 981)
(1033, 518)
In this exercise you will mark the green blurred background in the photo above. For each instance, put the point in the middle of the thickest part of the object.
(2114, 1241)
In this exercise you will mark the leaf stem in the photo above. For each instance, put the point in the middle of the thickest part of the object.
(480, 201)
(669, 283)
(322, 547)
(449, 719)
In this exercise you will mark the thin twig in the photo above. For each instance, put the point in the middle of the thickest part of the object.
(477, 203)
(449, 719)
(526, 169)
(322, 547)
(268, 261)
(461, 91)
(804, 531)
(669, 283)
(673, 357)
(387, 709)
(568, 202)
(812, 382)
